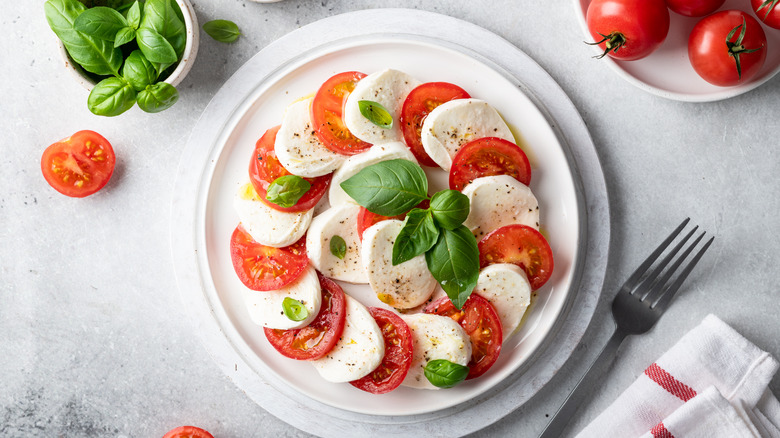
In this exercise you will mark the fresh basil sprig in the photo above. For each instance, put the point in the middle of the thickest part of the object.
(445, 374)
(454, 263)
(388, 188)
(338, 247)
(286, 190)
(224, 31)
(376, 113)
(294, 310)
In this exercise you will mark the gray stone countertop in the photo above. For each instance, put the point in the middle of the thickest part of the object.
(93, 337)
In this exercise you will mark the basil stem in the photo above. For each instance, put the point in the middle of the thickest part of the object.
(417, 236)
(445, 374)
(224, 31)
(454, 263)
(388, 188)
(294, 310)
(338, 247)
(376, 113)
(286, 190)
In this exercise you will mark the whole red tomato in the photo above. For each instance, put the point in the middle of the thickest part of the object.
(628, 29)
(694, 8)
(727, 48)
(767, 11)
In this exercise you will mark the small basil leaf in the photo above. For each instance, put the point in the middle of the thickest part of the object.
(138, 71)
(450, 208)
(124, 36)
(164, 17)
(286, 190)
(338, 247)
(294, 310)
(157, 97)
(388, 188)
(454, 263)
(417, 236)
(111, 97)
(376, 113)
(154, 46)
(224, 31)
(445, 374)
(100, 22)
(134, 15)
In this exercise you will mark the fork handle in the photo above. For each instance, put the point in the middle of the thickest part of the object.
(582, 391)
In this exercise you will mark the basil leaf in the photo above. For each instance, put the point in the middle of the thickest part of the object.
(100, 22)
(388, 188)
(162, 16)
(338, 247)
(134, 15)
(111, 97)
(286, 190)
(454, 263)
(445, 374)
(154, 46)
(138, 71)
(157, 97)
(417, 236)
(124, 36)
(376, 113)
(294, 310)
(224, 31)
(450, 208)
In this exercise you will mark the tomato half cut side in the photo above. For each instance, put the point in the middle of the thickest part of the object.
(521, 245)
(79, 165)
(327, 110)
(489, 156)
(418, 104)
(264, 268)
(321, 335)
(398, 354)
(366, 218)
(480, 320)
(188, 432)
(265, 168)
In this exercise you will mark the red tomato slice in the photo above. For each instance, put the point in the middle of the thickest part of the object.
(522, 246)
(366, 218)
(79, 165)
(480, 320)
(398, 354)
(266, 268)
(489, 156)
(188, 432)
(326, 112)
(418, 104)
(265, 168)
(320, 336)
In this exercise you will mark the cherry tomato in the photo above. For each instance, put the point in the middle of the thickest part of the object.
(628, 29)
(694, 8)
(522, 246)
(265, 168)
(489, 156)
(366, 218)
(188, 432)
(418, 104)
(767, 11)
(727, 48)
(321, 335)
(326, 112)
(79, 165)
(480, 320)
(398, 354)
(266, 268)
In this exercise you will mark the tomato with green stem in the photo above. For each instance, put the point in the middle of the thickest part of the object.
(767, 11)
(628, 29)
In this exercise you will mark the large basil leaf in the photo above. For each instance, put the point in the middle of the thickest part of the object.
(154, 46)
(100, 22)
(138, 71)
(111, 97)
(450, 208)
(157, 97)
(445, 374)
(388, 188)
(418, 235)
(454, 263)
(161, 16)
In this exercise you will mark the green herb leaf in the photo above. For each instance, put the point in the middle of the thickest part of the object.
(138, 71)
(111, 97)
(155, 47)
(376, 113)
(100, 22)
(445, 374)
(157, 97)
(124, 36)
(450, 208)
(454, 263)
(388, 188)
(134, 15)
(417, 236)
(286, 190)
(338, 247)
(164, 17)
(224, 31)
(294, 309)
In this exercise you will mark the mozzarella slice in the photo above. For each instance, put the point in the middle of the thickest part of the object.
(265, 308)
(356, 163)
(455, 123)
(403, 286)
(268, 226)
(499, 200)
(434, 337)
(297, 146)
(336, 221)
(358, 352)
(507, 288)
(388, 88)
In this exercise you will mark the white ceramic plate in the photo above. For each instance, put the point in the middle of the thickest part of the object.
(667, 72)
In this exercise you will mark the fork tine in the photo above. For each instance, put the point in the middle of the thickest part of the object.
(666, 298)
(652, 282)
(659, 286)
(633, 280)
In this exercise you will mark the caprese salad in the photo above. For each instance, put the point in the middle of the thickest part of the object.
(455, 270)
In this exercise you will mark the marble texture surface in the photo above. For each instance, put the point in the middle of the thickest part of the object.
(93, 339)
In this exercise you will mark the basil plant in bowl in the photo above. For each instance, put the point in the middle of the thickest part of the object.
(126, 51)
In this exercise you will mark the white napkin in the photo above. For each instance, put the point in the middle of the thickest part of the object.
(713, 383)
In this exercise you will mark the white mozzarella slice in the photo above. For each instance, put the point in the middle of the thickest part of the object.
(265, 307)
(358, 352)
(268, 226)
(356, 163)
(297, 146)
(388, 88)
(336, 221)
(507, 288)
(499, 200)
(455, 123)
(434, 337)
(403, 286)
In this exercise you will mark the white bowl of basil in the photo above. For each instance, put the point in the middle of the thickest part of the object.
(126, 52)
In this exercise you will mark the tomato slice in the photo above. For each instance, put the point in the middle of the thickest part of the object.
(418, 104)
(79, 165)
(522, 246)
(398, 354)
(265, 268)
(480, 320)
(188, 432)
(265, 168)
(489, 156)
(326, 112)
(321, 335)
(366, 218)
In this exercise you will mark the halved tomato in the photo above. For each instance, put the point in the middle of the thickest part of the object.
(398, 354)
(489, 156)
(321, 335)
(326, 112)
(188, 432)
(480, 320)
(79, 165)
(522, 246)
(366, 218)
(266, 268)
(265, 168)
